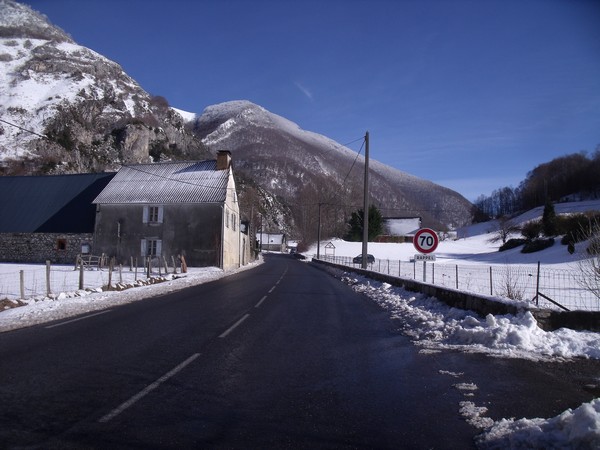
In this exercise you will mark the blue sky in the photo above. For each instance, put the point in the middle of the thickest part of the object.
(469, 94)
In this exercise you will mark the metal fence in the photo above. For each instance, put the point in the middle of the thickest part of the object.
(544, 287)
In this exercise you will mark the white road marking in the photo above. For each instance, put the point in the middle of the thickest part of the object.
(123, 406)
(234, 326)
(78, 319)
(260, 302)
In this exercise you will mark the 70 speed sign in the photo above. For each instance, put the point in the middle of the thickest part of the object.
(426, 240)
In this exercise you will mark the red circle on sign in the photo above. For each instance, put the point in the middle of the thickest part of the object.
(426, 240)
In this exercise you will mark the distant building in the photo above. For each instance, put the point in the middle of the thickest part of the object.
(399, 229)
(163, 210)
(271, 242)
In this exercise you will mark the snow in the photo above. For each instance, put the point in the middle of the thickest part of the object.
(573, 429)
(187, 116)
(434, 326)
(66, 303)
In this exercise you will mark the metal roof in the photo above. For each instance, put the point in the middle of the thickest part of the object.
(163, 183)
(50, 204)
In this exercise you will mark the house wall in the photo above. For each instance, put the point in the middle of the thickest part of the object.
(232, 256)
(192, 230)
(59, 248)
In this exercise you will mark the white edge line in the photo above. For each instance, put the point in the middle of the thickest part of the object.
(78, 319)
(234, 326)
(260, 302)
(123, 406)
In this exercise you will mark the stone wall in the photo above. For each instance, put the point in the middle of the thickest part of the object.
(59, 248)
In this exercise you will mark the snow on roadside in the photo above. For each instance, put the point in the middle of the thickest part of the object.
(68, 304)
(434, 325)
(572, 429)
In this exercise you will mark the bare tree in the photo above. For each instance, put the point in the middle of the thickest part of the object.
(504, 229)
(589, 265)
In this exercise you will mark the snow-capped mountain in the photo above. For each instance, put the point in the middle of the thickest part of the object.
(306, 169)
(66, 108)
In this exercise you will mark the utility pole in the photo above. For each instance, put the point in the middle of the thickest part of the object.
(319, 234)
(366, 205)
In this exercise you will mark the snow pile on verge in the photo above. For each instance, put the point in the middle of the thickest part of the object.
(434, 325)
(68, 304)
(573, 429)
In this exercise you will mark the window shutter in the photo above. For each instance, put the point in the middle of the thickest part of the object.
(144, 248)
(160, 214)
(158, 247)
(145, 215)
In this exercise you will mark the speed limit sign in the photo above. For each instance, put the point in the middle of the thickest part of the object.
(426, 240)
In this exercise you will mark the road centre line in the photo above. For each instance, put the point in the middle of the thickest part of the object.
(260, 302)
(234, 326)
(78, 319)
(123, 406)
(272, 289)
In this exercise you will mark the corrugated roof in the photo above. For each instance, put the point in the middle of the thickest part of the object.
(50, 204)
(163, 183)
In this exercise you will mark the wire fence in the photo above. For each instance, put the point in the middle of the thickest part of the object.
(549, 288)
(33, 281)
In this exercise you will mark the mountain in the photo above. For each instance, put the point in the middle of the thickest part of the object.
(305, 169)
(67, 109)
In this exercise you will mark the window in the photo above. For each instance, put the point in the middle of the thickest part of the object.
(151, 247)
(61, 244)
(233, 222)
(227, 218)
(153, 214)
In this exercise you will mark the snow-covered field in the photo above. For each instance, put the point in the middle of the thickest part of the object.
(473, 263)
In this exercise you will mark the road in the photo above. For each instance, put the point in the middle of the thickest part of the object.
(283, 355)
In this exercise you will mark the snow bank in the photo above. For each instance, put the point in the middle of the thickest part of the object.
(573, 429)
(67, 304)
(434, 325)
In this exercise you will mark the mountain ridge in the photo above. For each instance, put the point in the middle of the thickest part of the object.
(68, 109)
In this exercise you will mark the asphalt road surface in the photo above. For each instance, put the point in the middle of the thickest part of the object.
(280, 356)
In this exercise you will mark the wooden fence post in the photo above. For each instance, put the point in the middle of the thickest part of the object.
(80, 273)
(48, 291)
(110, 270)
(22, 283)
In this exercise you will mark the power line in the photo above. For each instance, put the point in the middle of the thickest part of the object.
(24, 129)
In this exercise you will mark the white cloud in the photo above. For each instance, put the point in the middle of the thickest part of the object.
(304, 90)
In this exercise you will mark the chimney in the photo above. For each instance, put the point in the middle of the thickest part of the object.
(223, 159)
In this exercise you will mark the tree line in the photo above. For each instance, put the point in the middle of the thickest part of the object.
(570, 177)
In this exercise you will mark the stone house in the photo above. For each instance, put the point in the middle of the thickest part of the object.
(164, 210)
(48, 218)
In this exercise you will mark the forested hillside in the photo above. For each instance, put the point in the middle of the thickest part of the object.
(570, 177)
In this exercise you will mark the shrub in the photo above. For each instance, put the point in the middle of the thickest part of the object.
(512, 243)
(537, 245)
(531, 230)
